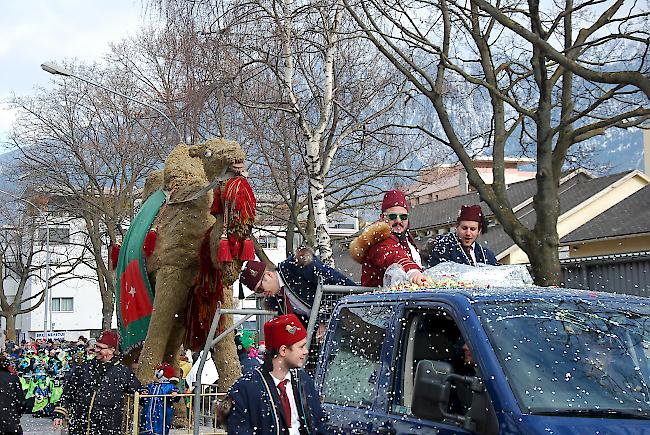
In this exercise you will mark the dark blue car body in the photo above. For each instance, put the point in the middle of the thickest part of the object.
(376, 410)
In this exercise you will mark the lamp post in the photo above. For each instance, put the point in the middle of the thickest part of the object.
(57, 70)
(48, 296)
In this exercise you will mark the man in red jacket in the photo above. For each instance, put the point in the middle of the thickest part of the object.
(387, 242)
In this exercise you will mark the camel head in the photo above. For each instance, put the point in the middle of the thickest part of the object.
(217, 154)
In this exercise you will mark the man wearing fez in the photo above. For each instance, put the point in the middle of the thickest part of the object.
(94, 391)
(461, 246)
(279, 397)
(387, 242)
(290, 288)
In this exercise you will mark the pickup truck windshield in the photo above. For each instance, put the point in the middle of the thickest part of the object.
(573, 355)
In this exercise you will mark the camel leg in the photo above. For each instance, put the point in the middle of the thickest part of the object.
(175, 341)
(226, 358)
(165, 319)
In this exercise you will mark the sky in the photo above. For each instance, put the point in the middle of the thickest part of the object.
(37, 31)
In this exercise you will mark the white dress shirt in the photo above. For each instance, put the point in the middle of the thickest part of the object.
(297, 305)
(295, 420)
(473, 254)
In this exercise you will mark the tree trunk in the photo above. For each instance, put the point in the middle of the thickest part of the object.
(310, 231)
(545, 262)
(543, 240)
(11, 327)
(290, 233)
(323, 241)
(107, 293)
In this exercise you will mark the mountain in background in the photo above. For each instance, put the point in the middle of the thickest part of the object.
(7, 159)
(617, 151)
(620, 150)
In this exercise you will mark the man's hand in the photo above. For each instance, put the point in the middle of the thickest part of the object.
(58, 423)
(174, 393)
(320, 333)
(419, 278)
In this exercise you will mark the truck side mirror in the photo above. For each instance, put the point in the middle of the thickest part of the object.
(431, 390)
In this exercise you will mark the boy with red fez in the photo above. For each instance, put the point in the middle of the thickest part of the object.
(93, 392)
(158, 411)
(388, 242)
(279, 397)
(461, 246)
(291, 287)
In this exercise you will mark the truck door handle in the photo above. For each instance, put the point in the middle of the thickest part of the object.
(386, 430)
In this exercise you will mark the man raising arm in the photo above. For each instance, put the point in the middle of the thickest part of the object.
(388, 242)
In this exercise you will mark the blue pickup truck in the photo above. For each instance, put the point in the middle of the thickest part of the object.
(494, 361)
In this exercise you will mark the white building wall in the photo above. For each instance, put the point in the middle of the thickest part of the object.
(80, 285)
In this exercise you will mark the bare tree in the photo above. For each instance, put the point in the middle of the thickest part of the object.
(310, 68)
(92, 150)
(315, 108)
(541, 79)
(358, 172)
(187, 68)
(22, 263)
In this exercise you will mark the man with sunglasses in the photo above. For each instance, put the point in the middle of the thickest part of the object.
(94, 391)
(388, 242)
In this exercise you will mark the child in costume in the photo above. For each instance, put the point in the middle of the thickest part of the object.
(158, 410)
(42, 392)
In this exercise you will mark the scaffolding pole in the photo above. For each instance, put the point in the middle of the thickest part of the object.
(210, 342)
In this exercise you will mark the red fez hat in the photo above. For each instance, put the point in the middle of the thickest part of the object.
(470, 213)
(252, 274)
(394, 198)
(167, 370)
(287, 330)
(109, 338)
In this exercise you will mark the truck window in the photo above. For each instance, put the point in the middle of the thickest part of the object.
(566, 357)
(430, 335)
(354, 356)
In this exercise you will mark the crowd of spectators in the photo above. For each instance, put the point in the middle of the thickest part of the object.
(37, 370)
(41, 366)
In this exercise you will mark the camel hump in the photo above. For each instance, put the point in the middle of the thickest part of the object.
(153, 182)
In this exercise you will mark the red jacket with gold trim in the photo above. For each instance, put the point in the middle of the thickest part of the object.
(376, 249)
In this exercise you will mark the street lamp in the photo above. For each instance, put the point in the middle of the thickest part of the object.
(48, 296)
(57, 70)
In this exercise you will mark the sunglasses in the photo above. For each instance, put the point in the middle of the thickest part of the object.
(393, 216)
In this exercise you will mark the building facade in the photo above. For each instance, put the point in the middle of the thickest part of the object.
(72, 306)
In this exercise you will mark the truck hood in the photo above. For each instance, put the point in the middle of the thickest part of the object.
(561, 425)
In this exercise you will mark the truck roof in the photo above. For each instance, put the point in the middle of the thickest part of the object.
(478, 294)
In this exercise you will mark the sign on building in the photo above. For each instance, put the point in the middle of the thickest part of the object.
(54, 335)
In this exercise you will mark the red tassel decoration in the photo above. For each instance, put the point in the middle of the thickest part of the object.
(115, 255)
(238, 193)
(150, 242)
(217, 202)
(248, 252)
(223, 254)
(235, 246)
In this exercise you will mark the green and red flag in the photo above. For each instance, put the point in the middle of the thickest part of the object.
(134, 295)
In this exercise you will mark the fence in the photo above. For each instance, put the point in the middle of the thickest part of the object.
(620, 273)
(185, 415)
